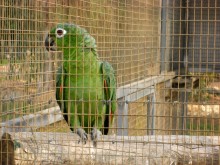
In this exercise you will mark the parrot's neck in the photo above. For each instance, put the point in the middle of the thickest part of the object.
(77, 62)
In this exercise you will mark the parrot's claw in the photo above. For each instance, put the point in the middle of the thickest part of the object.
(95, 135)
(82, 134)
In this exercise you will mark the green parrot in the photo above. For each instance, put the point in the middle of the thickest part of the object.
(85, 85)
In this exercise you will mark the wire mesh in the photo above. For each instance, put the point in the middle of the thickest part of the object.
(165, 57)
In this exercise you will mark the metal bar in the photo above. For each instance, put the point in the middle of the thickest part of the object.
(163, 36)
(122, 122)
(153, 114)
(140, 94)
(142, 84)
(38, 120)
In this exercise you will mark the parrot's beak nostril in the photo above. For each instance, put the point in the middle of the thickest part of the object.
(46, 43)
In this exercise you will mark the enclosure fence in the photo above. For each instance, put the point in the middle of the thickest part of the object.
(109, 82)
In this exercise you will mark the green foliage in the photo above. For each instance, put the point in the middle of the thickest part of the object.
(203, 126)
(3, 61)
(200, 94)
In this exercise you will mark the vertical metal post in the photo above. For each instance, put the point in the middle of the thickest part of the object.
(184, 101)
(186, 37)
(151, 113)
(122, 122)
(163, 36)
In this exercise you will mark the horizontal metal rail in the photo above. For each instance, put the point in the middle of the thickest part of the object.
(125, 94)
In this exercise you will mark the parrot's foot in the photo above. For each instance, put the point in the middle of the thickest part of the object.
(82, 134)
(95, 135)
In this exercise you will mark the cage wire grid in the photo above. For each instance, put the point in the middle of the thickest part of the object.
(165, 100)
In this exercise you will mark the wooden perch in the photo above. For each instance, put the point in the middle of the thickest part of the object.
(63, 148)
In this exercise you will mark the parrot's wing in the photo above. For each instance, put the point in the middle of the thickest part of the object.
(109, 92)
(60, 78)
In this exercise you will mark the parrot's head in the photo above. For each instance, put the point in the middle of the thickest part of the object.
(69, 37)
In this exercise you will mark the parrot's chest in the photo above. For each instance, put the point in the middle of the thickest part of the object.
(85, 95)
(85, 88)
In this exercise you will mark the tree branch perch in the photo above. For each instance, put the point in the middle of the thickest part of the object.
(63, 148)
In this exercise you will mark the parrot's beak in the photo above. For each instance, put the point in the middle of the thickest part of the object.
(50, 44)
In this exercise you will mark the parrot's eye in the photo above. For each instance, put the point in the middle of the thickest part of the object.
(60, 32)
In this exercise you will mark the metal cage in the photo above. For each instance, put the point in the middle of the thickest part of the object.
(165, 56)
